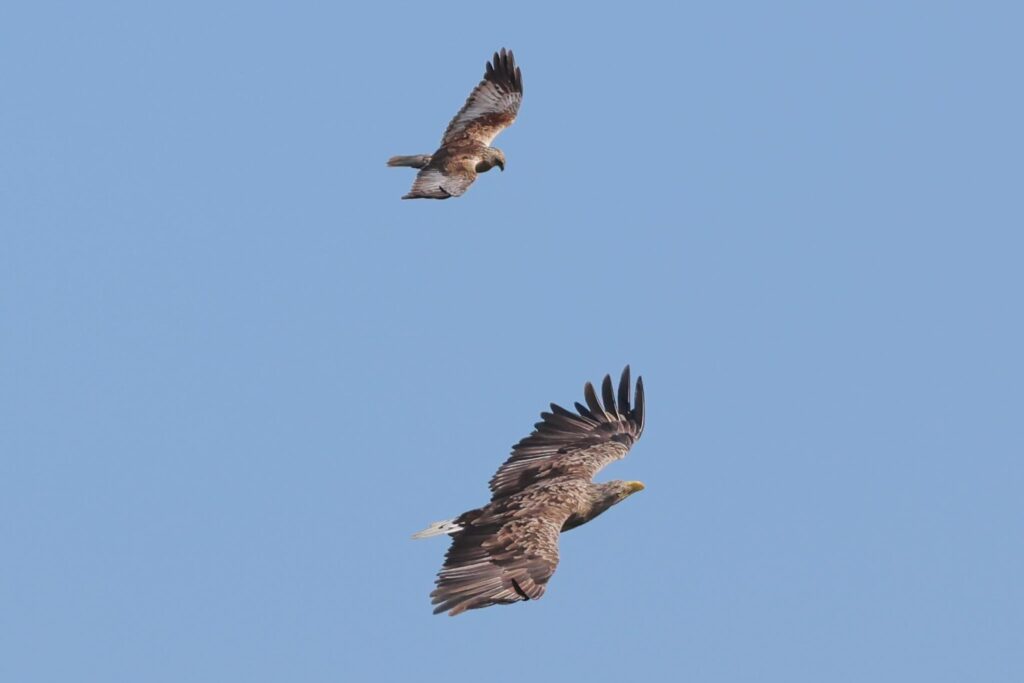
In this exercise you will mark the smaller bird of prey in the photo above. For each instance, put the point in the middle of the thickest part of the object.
(466, 146)
(506, 551)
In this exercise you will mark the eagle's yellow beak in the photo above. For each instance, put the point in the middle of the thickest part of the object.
(634, 486)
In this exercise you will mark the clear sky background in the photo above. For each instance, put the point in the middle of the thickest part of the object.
(237, 372)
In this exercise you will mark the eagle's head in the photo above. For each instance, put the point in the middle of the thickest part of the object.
(606, 495)
(613, 492)
(625, 489)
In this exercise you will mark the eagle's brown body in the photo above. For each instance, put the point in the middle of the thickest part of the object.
(465, 149)
(507, 550)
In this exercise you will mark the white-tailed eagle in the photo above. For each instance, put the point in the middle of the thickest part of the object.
(507, 550)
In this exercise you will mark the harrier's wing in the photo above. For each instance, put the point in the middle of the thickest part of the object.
(434, 183)
(578, 444)
(492, 106)
(506, 560)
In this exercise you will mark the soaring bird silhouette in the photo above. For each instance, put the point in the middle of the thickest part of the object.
(507, 550)
(466, 146)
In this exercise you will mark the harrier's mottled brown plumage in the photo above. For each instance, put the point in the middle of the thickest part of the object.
(507, 550)
(465, 148)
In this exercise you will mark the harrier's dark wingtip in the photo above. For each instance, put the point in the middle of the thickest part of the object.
(502, 70)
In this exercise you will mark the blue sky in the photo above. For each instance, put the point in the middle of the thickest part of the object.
(236, 372)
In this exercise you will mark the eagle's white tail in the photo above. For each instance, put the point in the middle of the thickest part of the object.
(445, 526)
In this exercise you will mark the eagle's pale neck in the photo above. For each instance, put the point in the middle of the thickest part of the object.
(601, 497)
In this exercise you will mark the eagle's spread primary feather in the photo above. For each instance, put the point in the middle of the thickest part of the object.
(466, 145)
(507, 550)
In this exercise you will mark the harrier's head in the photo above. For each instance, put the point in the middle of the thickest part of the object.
(492, 157)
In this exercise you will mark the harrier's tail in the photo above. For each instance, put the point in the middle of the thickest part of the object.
(417, 161)
(446, 526)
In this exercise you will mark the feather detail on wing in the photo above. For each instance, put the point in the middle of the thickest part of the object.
(498, 561)
(577, 444)
(433, 183)
(492, 106)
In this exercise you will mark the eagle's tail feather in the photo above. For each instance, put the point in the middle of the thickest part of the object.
(445, 526)
(416, 161)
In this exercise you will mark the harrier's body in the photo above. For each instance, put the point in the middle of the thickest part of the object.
(466, 148)
(507, 550)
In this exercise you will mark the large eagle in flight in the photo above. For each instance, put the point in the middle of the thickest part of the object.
(466, 146)
(507, 550)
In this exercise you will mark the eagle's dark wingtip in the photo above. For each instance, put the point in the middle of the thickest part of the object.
(590, 396)
(608, 395)
(624, 391)
(638, 400)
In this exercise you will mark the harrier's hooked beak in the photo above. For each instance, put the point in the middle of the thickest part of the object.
(501, 165)
(634, 486)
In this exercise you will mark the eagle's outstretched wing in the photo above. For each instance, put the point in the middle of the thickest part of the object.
(499, 561)
(577, 444)
(434, 183)
(491, 107)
